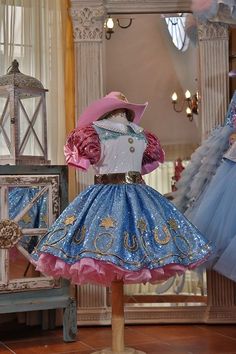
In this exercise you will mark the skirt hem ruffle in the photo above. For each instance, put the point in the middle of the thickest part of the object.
(89, 270)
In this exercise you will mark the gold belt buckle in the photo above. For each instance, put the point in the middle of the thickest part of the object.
(131, 177)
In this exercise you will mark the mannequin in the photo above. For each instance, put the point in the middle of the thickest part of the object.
(119, 230)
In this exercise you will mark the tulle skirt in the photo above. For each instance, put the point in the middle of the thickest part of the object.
(215, 217)
(200, 170)
(126, 232)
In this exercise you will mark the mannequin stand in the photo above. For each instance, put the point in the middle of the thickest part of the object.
(118, 323)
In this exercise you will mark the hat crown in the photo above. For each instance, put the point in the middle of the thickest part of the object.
(117, 95)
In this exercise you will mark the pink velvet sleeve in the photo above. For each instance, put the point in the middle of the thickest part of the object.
(153, 155)
(82, 148)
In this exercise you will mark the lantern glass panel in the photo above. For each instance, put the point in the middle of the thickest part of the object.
(5, 133)
(31, 140)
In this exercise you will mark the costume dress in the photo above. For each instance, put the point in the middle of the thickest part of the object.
(216, 215)
(203, 165)
(119, 228)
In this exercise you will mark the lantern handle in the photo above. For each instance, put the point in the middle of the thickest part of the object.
(14, 68)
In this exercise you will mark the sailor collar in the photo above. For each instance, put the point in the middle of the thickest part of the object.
(118, 127)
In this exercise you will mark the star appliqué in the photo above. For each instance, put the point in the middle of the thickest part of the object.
(70, 220)
(26, 218)
(108, 222)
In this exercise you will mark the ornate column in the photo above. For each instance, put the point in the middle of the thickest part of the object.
(214, 79)
(88, 19)
(214, 69)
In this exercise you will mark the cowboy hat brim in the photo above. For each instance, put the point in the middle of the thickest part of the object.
(99, 108)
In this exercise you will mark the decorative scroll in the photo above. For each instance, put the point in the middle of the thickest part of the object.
(88, 23)
(10, 233)
(211, 31)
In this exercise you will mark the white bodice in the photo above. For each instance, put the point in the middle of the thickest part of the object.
(122, 146)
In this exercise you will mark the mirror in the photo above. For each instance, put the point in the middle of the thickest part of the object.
(30, 202)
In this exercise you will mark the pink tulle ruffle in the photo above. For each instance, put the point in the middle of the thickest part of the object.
(88, 270)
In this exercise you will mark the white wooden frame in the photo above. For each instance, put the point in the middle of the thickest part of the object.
(49, 184)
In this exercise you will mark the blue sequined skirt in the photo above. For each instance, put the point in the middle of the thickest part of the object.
(120, 231)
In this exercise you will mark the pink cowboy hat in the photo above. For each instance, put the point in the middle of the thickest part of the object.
(109, 103)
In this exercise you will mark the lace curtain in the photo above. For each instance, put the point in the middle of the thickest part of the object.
(32, 32)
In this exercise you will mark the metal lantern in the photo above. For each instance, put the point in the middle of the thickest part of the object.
(23, 122)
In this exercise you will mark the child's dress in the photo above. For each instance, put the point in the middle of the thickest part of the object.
(119, 228)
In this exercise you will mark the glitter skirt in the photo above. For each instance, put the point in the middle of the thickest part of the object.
(126, 232)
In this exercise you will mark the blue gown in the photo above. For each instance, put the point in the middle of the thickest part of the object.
(215, 217)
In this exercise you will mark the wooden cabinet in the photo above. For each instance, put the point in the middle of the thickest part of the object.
(31, 198)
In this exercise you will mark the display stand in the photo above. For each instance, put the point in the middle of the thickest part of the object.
(118, 322)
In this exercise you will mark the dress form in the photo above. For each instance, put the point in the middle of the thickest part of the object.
(117, 297)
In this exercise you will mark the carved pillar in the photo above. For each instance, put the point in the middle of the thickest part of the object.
(214, 79)
(214, 69)
(88, 20)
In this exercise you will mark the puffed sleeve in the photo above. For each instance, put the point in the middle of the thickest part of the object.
(153, 155)
(82, 148)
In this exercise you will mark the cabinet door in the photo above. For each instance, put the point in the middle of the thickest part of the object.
(31, 198)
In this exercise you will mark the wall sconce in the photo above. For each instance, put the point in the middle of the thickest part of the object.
(109, 25)
(190, 101)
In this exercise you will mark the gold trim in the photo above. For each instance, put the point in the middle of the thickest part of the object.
(134, 245)
(81, 232)
(165, 240)
(108, 244)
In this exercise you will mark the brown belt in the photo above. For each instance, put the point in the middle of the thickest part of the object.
(119, 178)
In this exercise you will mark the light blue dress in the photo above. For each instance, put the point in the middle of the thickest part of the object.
(215, 216)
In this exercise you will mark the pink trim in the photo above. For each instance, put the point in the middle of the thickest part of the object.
(89, 270)
(82, 148)
(73, 159)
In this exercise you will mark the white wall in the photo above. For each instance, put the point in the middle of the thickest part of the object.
(142, 62)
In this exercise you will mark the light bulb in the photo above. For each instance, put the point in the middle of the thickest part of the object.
(187, 94)
(110, 23)
(174, 97)
(188, 112)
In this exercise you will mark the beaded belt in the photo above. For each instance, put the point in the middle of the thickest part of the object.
(119, 178)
